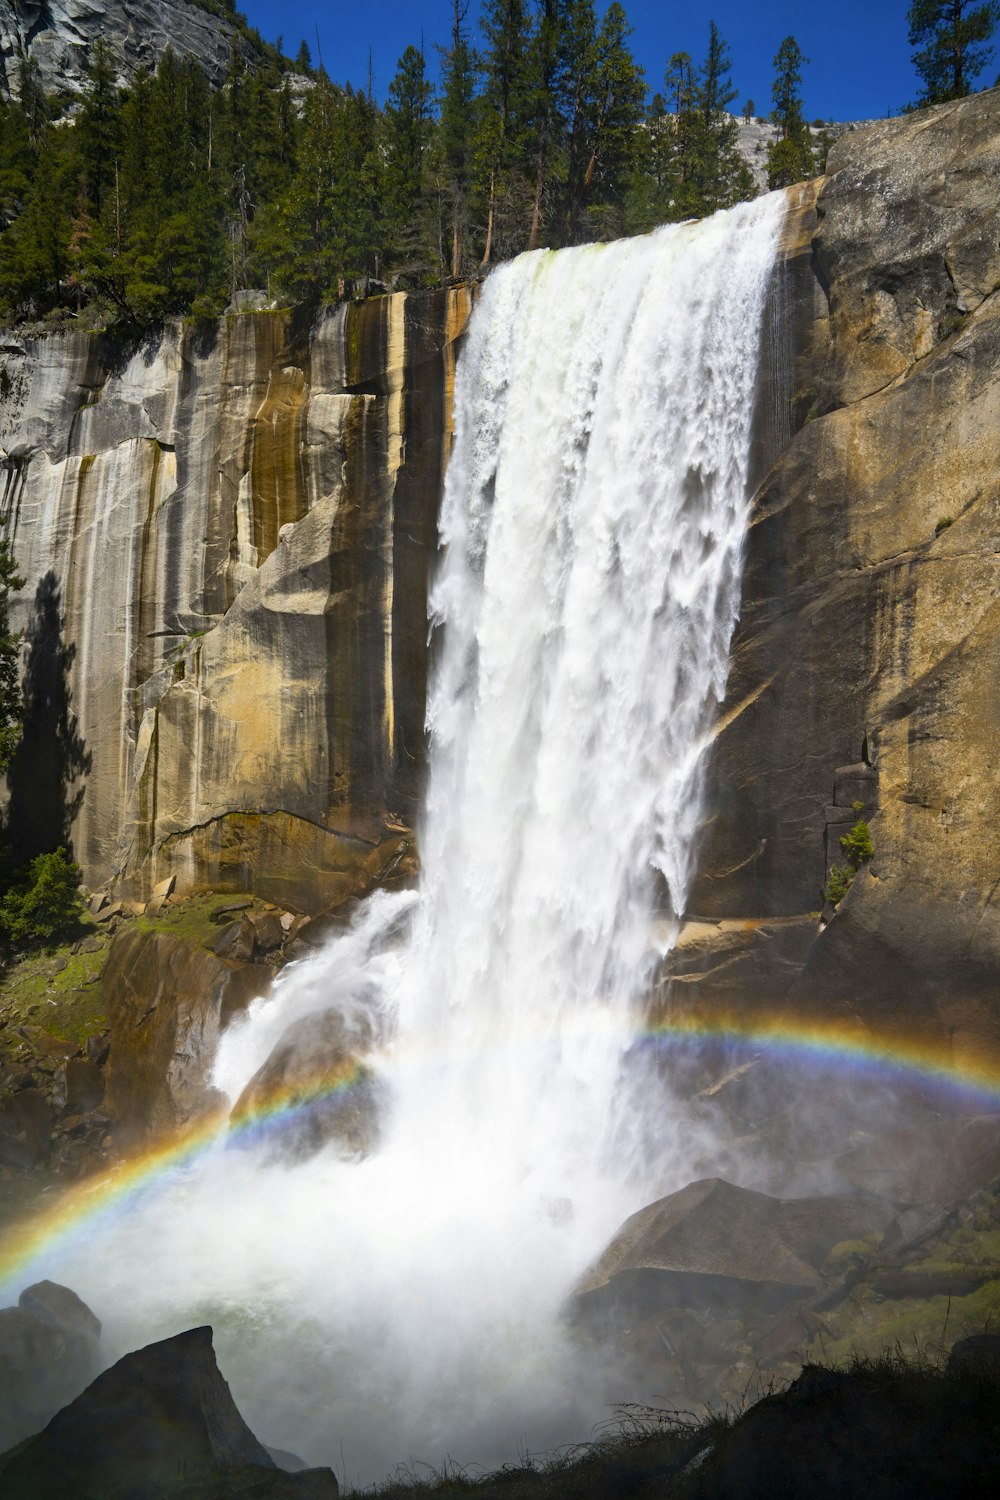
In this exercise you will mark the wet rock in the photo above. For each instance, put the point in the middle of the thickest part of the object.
(84, 1085)
(169, 999)
(159, 1416)
(715, 1246)
(25, 1128)
(898, 367)
(314, 1090)
(941, 1163)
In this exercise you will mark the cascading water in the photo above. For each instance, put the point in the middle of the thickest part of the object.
(409, 1305)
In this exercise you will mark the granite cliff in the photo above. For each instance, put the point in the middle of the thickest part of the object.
(864, 668)
(58, 35)
(234, 529)
(240, 525)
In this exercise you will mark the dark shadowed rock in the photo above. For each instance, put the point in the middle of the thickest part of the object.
(48, 1353)
(314, 1089)
(882, 1432)
(161, 1421)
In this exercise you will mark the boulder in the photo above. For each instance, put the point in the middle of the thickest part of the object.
(235, 941)
(48, 1353)
(160, 1421)
(313, 1090)
(169, 999)
(713, 1244)
(881, 1431)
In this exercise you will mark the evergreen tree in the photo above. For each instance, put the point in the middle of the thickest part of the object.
(504, 110)
(406, 132)
(456, 131)
(605, 96)
(951, 41)
(98, 127)
(10, 645)
(790, 158)
(544, 61)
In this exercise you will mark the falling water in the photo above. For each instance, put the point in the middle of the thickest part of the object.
(408, 1305)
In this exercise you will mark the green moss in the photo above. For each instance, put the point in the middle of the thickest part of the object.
(61, 990)
(868, 1324)
(191, 918)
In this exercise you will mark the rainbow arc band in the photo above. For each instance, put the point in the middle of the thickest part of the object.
(800, 1043)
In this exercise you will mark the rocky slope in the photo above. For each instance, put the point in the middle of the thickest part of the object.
(58, 36)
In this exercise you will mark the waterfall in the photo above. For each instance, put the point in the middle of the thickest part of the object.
(409, 1305)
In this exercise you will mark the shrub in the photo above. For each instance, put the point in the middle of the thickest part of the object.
(838, 884)
(943, 524)
(857, 845)
(44, 904)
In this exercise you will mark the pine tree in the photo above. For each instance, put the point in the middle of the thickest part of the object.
(544, 61)
(456, 131)
(605, 94)
(790, 158)
(951, 40)
(97, 127)
(503, 113)
(10, 644)
(406, 130)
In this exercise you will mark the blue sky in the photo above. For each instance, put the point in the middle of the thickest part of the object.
(860, 60)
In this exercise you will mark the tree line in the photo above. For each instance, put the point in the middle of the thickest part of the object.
(170, 197)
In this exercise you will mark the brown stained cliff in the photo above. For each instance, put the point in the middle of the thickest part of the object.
(241, 527)
(870, 625)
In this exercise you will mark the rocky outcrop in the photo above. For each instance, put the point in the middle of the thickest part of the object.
(48, 1353)
(235, 530)
(313, 1089)
(160, 1422)
(58, 36)
(869, 631)
(169, 999)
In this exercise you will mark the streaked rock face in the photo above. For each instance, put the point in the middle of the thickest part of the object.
(240, 526)
(870, 625)
(58, 36)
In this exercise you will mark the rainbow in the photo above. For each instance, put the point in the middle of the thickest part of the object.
(78, 1210)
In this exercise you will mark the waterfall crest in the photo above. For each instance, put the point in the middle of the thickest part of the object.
(592, 527)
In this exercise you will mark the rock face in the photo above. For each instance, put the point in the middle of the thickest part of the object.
(59, 34)
(48, 1353)
(169, 999)
(870, 630)
(159, 1421)
(236, 531)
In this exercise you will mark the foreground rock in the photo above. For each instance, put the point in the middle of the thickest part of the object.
(160, 1422)
(48, 1353)
(881, 1431)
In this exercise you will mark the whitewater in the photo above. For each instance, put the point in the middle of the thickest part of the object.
(409, 1306)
